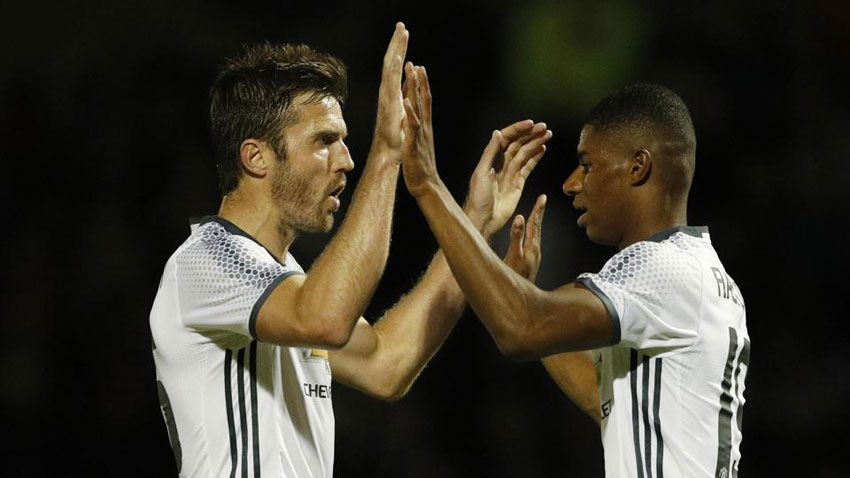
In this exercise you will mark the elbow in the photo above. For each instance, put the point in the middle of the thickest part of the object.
(390, 385)
(516, 351)
(332, 336)
(392, 394)
(324, 328)
(516, 345)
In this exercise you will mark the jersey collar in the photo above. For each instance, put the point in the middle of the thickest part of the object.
(695, 231)
(231, 228)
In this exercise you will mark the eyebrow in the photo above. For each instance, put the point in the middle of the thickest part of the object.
(330, 133)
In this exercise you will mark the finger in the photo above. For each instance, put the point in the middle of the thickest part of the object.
(524, 135)
(396, 51)
(528, 151)
(409, 81)
(515, 131)
(411, 123)
(529, 166)
(418, 81)
(515, 247)
(510, 154)
(534, 230)
(425, 90)
(485, 164)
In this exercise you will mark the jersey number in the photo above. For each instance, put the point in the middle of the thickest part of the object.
(733, 380)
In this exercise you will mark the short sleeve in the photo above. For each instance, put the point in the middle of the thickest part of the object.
(223, 280)
(652, 292)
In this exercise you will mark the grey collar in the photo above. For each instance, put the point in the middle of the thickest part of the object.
(695, 231)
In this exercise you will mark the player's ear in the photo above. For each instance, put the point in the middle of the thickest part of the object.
(641, 167)
(255, 156)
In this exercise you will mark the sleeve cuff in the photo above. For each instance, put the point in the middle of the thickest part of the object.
(609, 306)
(252, 321)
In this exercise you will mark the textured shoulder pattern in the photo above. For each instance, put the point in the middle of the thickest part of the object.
(649, 266)
(221, 276)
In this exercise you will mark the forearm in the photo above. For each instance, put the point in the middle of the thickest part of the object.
(342, 280)
(575, 375)
(384, 360)
(498, 295)
(414, 329)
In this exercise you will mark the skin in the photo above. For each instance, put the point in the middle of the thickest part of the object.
(279, 197)
(621, 188)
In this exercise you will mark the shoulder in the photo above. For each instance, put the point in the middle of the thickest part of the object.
(213, 251)
(663, 268)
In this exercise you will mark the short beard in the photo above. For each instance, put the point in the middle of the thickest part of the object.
(292, 195)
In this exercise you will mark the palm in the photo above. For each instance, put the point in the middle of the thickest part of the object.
(499, 179)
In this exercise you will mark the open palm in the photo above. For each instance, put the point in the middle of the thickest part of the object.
(499, 178)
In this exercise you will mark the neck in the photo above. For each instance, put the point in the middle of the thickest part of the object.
(259, 218)
(647, 222)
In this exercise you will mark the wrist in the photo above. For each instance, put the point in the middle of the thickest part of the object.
(383, 152)
(428, 189)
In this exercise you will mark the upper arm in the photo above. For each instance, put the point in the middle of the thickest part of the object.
(575, 375)
(565, 319)
(222, 283)
(281, 320)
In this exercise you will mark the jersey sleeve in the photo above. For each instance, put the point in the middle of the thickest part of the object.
(223, 280)
(652, 292)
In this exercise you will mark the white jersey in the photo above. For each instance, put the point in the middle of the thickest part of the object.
(672, 386)
(234, 406)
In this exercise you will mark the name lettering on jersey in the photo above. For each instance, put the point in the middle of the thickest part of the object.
(606, 408)
(726, 288)
(316, 390)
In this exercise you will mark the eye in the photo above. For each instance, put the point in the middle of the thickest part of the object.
(585, 167)
(328, 139)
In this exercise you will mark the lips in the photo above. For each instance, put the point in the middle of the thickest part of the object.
(334, 195)
(583, 217)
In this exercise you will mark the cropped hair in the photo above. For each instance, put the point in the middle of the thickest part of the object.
(252, 98)
(646, 107)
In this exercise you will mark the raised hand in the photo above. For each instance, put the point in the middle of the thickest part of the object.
(388, 126)
(418, 160)
(524, 252)
(498, 180)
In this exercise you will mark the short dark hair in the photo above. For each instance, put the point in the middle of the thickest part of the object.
(657, 112)
(252, 98)
(646, 107)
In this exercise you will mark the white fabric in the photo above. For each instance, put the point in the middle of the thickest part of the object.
(682, 358)
(281, 417)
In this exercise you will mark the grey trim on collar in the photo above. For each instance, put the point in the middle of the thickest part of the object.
(695, 231)
(233, 229)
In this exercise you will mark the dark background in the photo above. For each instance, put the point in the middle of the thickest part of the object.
(105, 154)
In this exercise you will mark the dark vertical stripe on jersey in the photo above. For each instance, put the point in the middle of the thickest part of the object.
(647, 430)
(743, 359)
(228, 402)
(243, 421)
(254, 420)
(170, 424)
(656, 407)
(724, 420)
(635, 412)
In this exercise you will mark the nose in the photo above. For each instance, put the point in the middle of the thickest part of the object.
(572, 186)
(343, 161)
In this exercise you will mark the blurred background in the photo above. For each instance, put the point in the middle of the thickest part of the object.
(105, 154)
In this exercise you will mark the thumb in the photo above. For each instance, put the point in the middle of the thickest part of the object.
(517, 236)
(490, 152)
